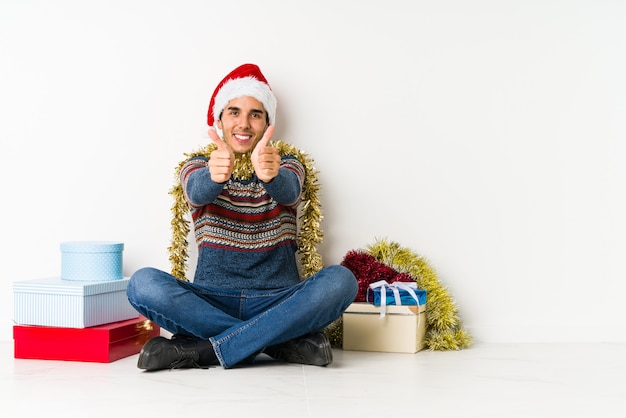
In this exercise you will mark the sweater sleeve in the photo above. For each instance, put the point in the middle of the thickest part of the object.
(286, 187)
(198, 187)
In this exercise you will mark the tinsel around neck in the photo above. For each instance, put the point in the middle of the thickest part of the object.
(309, 230)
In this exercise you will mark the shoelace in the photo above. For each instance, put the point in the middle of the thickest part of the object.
(186, 364)
(186, 359)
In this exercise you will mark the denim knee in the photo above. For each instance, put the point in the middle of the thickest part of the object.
(339, 282)
(346, 279)
(142, 284)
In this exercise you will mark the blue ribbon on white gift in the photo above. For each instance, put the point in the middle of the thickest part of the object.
(395, 287)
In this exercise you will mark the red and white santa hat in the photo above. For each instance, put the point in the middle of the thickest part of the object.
(245, 80)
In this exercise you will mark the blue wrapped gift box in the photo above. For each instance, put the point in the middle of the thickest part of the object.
(374, 297)
(56, 302)
(91, 260)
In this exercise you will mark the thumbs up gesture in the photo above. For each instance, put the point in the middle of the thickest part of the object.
(265, 159)
(222, 160)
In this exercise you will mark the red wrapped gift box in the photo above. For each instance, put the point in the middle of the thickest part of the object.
(101, 344)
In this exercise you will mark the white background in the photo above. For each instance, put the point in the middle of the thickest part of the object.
(488, 136)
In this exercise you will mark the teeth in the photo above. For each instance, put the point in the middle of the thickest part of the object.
(242, 137)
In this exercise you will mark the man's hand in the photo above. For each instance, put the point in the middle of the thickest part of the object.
(222, 160)
(265, 159)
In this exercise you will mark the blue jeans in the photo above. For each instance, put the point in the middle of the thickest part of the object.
(241, 323)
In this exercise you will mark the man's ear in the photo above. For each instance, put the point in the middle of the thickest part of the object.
(219, 124)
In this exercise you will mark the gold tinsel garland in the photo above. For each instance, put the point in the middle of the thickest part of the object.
(309, 230)
(444, 330)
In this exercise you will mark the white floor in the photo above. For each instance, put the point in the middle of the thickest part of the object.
(488, 380)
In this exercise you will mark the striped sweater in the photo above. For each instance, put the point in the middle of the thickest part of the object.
(245, 229)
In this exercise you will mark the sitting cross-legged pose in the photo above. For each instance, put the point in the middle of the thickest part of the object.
(247, 296)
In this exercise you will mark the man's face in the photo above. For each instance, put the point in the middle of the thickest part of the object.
(243, 123)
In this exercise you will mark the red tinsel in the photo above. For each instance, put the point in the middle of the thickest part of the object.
(367, 269)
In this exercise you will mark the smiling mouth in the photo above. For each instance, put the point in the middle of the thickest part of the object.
(242, 138)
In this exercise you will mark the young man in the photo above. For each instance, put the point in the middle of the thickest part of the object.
(247, 296)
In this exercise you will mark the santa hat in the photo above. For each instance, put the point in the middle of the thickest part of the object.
(245, 80)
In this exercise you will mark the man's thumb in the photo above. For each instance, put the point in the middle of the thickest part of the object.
(266, 137)
(216, 139)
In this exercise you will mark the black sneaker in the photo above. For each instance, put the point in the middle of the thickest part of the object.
(313, 349)
(160, 353)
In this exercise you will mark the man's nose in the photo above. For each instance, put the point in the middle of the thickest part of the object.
(243, 121)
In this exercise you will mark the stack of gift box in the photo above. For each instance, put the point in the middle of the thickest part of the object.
(83, 315)
(391, 319)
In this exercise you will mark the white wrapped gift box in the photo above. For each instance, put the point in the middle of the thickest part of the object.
(401, 329)
(73, 304)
